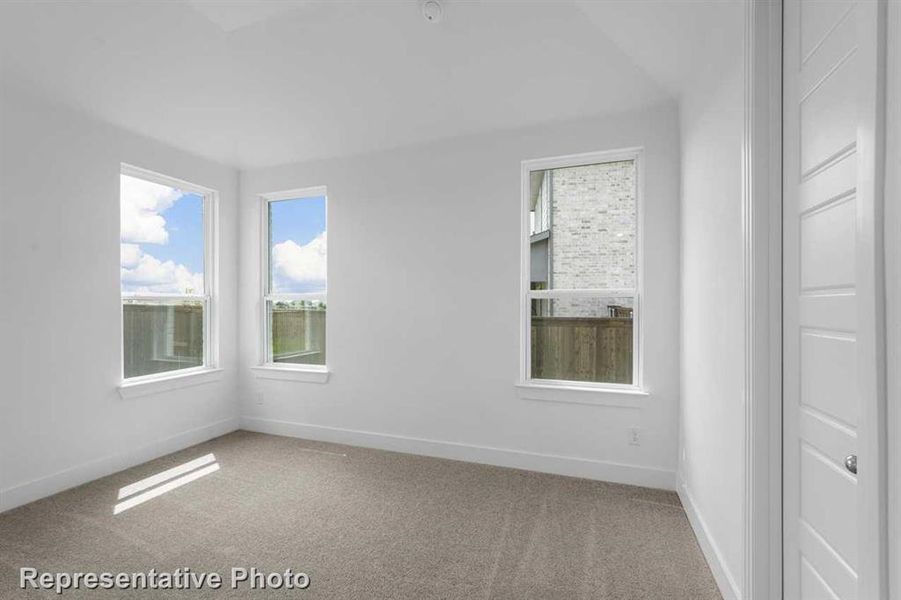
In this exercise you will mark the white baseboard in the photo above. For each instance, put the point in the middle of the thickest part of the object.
(101, 467)
(721, 573)
(517, 459)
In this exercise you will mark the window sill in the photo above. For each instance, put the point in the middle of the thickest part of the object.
(155, 384)
(283, 373)
(626, 396)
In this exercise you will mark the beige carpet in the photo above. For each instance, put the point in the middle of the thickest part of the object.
(365, 524)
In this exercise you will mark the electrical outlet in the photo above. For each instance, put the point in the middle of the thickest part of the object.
(260, 398)
(634, 436)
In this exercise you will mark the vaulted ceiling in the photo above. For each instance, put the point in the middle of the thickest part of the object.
(261, 83)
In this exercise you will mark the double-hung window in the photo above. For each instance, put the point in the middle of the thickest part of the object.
(581, 260)
(295, 281)
(166, 268)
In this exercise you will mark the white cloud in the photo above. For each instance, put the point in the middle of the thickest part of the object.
(141, 204)
(143, 273)
(297, 267)
(129, 255)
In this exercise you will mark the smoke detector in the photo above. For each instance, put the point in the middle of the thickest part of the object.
(432, 11)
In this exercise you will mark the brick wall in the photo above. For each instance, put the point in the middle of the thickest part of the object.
(594, 224)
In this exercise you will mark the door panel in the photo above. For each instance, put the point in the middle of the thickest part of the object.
(827, 491)
(834, 310)
(816, 22)
(812, 585)
(839, 181)
(827, 246)
(834, 45)
(831, 316)
(833, 573)
(833, 439)
(828, 373)
(828, 118)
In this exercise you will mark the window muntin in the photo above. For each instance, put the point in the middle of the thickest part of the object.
(581, 278)
(165, 248)
(295, 280)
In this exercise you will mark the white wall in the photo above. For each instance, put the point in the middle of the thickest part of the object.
(63, 422)
(424, 301)
(712, 415)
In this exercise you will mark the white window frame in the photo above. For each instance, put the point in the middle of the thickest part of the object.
(209, 298)
(267, 369)
(527, 295)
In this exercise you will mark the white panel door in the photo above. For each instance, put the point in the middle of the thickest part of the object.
(833, 327)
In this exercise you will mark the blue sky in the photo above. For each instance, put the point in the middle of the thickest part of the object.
(184, 222)
(298, 245)
(162, 244)
(161, 239)
(297, 220)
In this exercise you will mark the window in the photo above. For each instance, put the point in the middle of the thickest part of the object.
(295, 281)
(581, 280)
(166, 268)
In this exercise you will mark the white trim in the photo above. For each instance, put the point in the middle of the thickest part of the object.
(314, 191)
(635, 154)
(893, 289)
(314, 296)
(583, 159)
(163, 297)
(136, 387)
(162, 179)
(724, 578)
(626, 396)
(517, 459)
(263, 316)
(761, 575)
(101, 467)
(211, 277)
(266, 295)
(575, 293)
(308, 374)
(872, 483)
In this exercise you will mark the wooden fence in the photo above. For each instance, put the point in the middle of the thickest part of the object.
(160, 338)
(582, 349)
(298, 335)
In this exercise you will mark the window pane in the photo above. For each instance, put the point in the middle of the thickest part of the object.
(297, 246)
(583, 227)
(297, 332)
(161, 239)
(161, 336)
(582, 339)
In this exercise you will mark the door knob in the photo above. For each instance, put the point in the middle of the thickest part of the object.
(851, 463)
